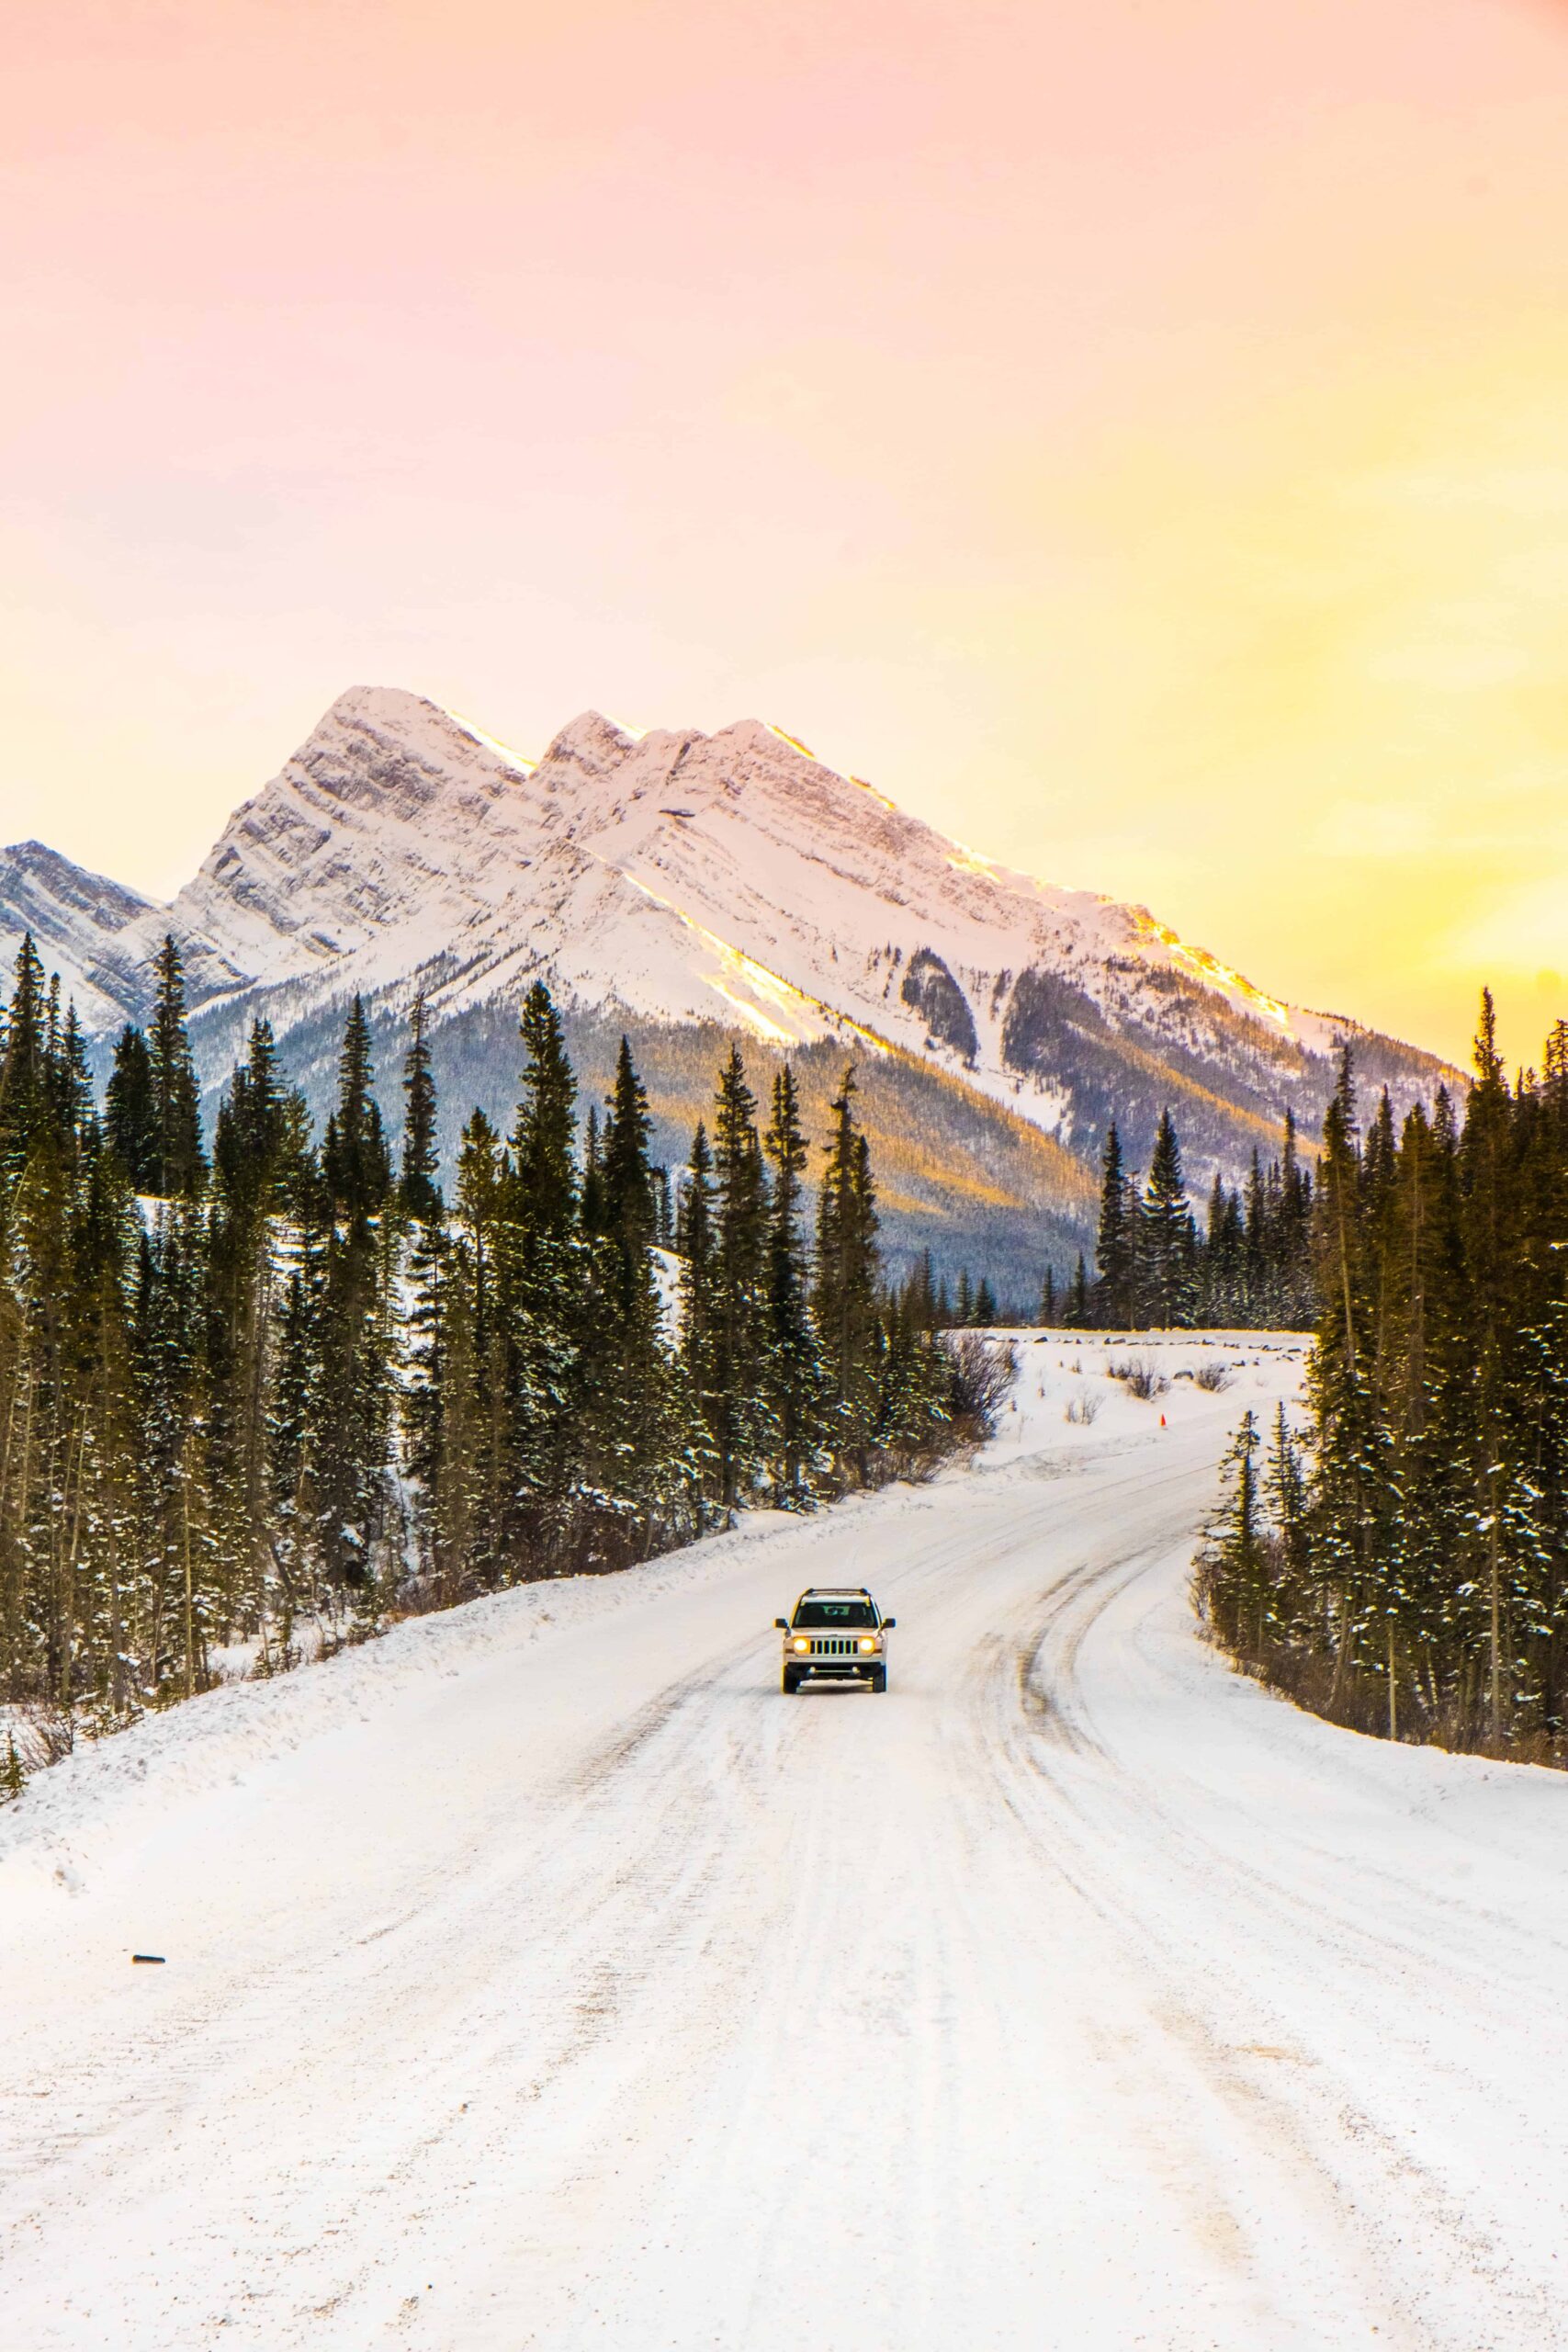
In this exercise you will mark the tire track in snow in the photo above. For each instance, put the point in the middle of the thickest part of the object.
(1378, 2194)
(600, 1997)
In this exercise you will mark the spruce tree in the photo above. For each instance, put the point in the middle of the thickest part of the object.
(739, 1420)
(1114, 1255)
(697, 1242)
(1224, 1288)
(627, 1197)
(795, 1361)
(1167, 1239)
(130, 1112)
(544, 1178)
(352, 1415)
(356, 1163)
(641, 1452)
(543, 1294)
(454, 1435)
(181, 1168)
(255, 1169)
(421, 1196)
(847, 1272)
(592, 1204)
(479, 1439)
(25, 1110)
(665, 1210)
(1236, 1567)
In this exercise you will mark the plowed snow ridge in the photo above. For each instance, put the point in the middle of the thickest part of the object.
(539, 1976)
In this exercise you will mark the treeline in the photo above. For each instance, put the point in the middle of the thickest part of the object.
(1247, 1267)
(1403, 1566)
(284, 1383)
(1250, 1267)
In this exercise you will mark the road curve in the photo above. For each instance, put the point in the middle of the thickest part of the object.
(551, 1980)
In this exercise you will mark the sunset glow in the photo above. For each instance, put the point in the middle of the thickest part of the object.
(1135, 437)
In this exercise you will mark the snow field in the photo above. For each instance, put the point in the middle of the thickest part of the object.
(537, 1976)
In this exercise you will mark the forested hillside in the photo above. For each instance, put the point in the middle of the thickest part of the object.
(969, 1178)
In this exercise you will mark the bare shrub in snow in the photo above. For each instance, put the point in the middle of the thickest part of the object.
(983, 1372)
(1138, 1376)
(43, 1732)
(1082, 1410)
(1213, 1377)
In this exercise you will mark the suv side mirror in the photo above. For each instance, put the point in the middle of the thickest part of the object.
(888, 1623)
(782, 1624)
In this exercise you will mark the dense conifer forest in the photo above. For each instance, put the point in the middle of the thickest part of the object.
(1246, 1266)
(257, 1399)
(1400, 1562)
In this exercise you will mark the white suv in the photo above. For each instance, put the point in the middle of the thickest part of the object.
(837, 1634)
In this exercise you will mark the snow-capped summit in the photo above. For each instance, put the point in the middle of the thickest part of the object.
(96, 934)
(674, 878)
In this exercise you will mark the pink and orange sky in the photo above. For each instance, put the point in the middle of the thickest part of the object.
(1133, 436)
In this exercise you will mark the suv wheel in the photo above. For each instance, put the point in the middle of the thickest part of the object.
(791, 1684)
(879, 1678)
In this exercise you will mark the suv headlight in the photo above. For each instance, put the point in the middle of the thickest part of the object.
(800, 1643)
(869, 1642)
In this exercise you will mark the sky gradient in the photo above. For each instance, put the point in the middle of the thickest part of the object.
(1135, 437)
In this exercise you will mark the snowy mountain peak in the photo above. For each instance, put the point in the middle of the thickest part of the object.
(672, 878)
(94, 934)
(108, 906)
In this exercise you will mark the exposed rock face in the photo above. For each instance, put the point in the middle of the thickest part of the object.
(931, 987)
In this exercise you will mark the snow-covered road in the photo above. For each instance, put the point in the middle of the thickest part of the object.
(540, 1976)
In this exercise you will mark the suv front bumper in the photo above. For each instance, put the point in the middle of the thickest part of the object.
(836, 1666)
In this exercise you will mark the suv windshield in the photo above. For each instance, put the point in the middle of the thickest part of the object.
(817, 1616)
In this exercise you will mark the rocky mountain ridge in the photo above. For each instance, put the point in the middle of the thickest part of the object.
(668, 882)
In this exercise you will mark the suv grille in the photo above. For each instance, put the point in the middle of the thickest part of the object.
(833, 1645)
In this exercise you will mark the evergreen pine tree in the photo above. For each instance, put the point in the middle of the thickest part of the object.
(1234, 1570)
(795, 1358)
(847, 1272)
(25, 1110)
(181, 1169)
(130, 1112)
(420, 1197)
(642, 1452)
(627, 1214)
(356, 1163)
(543, 1294)
(1115, 1248)
(352, 1414)
(478, 1437)
(592, 1204)
(699, 1283)
(1167, 1251)
(545, 1179)
(739, 1420)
